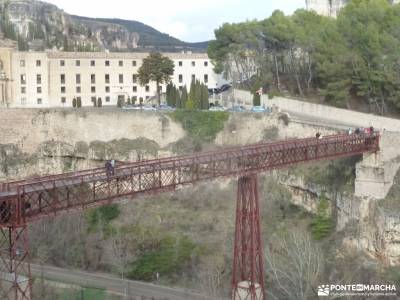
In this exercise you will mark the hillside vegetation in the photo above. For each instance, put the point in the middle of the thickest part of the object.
(38, 25)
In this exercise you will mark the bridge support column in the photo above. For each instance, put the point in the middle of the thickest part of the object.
(15, 272)
(248, 262)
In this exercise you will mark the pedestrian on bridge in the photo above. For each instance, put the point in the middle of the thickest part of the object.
(108, 168)
(112, 167)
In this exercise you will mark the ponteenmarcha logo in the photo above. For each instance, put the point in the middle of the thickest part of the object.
(324, 290)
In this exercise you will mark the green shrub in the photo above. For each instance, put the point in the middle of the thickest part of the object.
(202, 126)
(256, 99)
(79, 103)
(102, 216)
(321, 226)
(171, 256)
(74, 102)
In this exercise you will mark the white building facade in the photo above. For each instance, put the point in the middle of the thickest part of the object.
(331, 8)
(54, 79)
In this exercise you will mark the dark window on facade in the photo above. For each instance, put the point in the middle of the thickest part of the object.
(93, 78)
(134, 78)
(23, 90)
(107, 89)
(180, 63)
(39, 79)
(63, 100)
(93, 89)
(147, 88)
(92, 63)
(193, 77)
(180, 78)
(193, 63)
(121, 63)
(63, 89)
(77, 63)
(107, 63)
(133, 63)
(107, 78)
(38, 63)
(23, 79)
(22, 63)
(62, 63)
(78, 78)
(205, 78)
(134, 89)
(134, 98)
(39, 89)
(62, 78)
(78, 89)
(121, 78)
(39, 100)
(93, 99)
(107, 98)
(206, 63)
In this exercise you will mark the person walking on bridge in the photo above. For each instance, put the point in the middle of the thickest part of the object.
(112, 162)
(108, 167)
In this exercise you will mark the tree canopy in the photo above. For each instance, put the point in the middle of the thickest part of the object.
(157, 68)
(351, 59)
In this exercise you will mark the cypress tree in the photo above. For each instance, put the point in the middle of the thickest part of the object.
(192, 92)
(204, 97)
(184, 97)
(178, 98)
(172, 100)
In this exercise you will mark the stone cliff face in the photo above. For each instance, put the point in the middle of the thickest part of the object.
(54, 141)
(43, 26)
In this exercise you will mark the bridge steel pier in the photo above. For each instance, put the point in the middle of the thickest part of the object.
(248, 262)
(15, 269)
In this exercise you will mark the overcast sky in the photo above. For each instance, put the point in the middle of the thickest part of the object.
(188, 20)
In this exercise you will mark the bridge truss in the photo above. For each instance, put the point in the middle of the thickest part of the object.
(23, 202)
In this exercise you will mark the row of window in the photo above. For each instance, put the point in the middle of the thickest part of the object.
(106, 78)
(107, 63)
(79, 90)
(93, 99)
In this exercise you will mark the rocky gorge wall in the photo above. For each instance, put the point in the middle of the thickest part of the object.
(53, 141)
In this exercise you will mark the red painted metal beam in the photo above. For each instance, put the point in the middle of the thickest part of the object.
(24, 201)
(27, 200)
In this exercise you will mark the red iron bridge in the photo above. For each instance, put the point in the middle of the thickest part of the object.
(25, 201)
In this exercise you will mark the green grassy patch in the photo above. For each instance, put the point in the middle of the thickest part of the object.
(101, 217)
(85, 293)
(202, 126)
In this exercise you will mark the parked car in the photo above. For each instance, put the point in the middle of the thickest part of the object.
(224, 88)
(148, 108)
(258, 109)
(217, 108)
(165, 107)
(213, 91)
(237, 108)
(132, 107)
